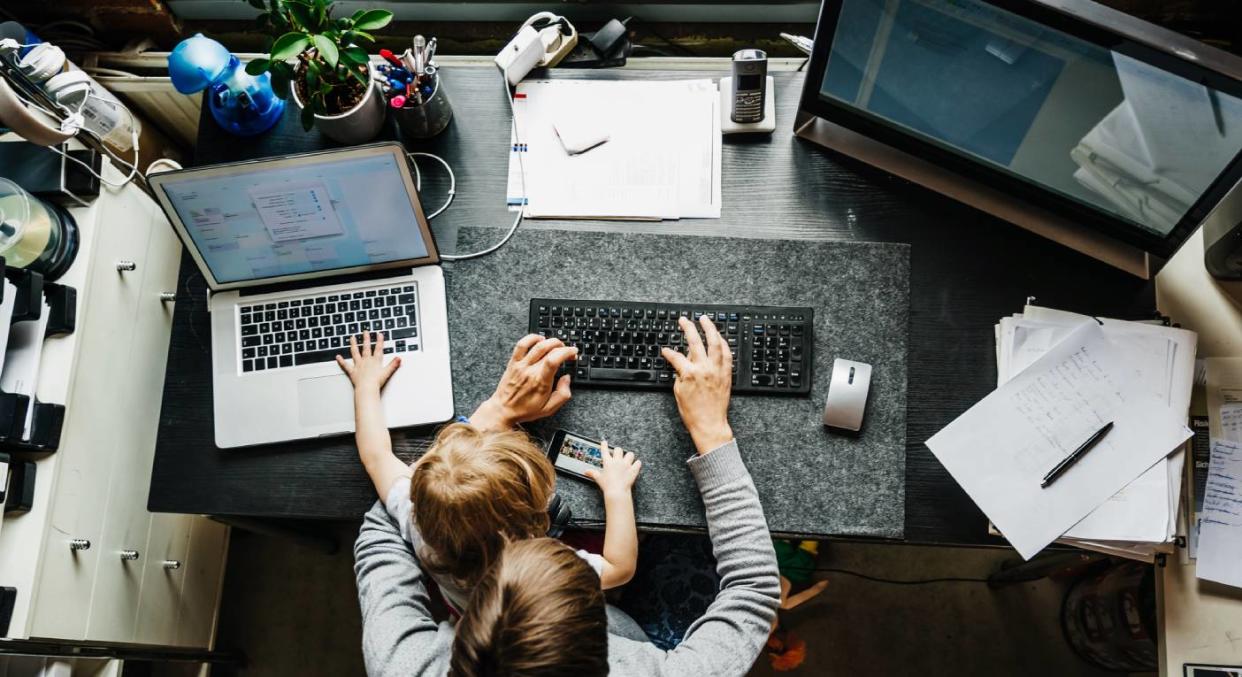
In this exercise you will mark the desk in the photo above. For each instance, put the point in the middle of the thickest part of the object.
(967, 270)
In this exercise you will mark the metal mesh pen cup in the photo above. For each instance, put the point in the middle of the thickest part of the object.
(425, 120)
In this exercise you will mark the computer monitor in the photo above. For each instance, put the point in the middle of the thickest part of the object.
(1083, 124)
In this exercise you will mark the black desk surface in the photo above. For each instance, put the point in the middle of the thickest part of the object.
(968, 269)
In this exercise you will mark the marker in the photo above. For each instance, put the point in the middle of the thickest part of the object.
(390, 57)
(397, 101)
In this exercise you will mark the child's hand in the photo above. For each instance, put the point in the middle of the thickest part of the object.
(368, 370)
(620, 471)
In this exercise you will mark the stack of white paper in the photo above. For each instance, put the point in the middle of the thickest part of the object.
(1062, 377)
(661, 159)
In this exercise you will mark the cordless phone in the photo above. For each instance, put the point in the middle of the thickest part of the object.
(750, 78)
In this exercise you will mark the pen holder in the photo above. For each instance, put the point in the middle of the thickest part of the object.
(425, 120)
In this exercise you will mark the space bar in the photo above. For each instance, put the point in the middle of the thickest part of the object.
(601, 374)
(319, 356)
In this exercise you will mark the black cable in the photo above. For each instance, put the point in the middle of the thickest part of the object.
(651, 29)
(892, 581)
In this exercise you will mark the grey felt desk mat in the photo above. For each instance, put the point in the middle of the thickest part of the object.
(811, 482)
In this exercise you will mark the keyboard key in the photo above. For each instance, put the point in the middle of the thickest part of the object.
(251, 340)
(286, 360)
(316, 356)
(247, 365)
(273, 362)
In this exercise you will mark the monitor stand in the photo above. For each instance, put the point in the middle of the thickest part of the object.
(976, 194)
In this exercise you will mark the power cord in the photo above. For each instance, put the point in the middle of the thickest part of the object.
(517, 220)
(890, 581)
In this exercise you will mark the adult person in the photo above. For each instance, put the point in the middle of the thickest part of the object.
(401, 638)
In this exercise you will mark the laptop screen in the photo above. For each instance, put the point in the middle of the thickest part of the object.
(299, 216)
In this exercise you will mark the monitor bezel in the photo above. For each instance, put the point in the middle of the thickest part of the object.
(1119, 229)
(393, 149)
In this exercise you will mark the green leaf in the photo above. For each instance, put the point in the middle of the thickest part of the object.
(308, 117)
(362, 79)
(373, 20)
(312, 75)
(355, 55)
(357, 15)
(304, 17)
(343, 24)
(289, 45)
(327, 49)
(355, 36)
(280, 82)
(258, 66)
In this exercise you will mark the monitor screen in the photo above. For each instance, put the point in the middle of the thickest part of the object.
(1102, 129)
(320, 213)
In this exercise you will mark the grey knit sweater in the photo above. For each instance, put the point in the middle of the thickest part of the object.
(399, 637)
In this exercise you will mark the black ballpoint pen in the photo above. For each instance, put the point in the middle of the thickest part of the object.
(1073, 458)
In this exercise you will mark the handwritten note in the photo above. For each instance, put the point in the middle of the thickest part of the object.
(1220, 525)
(1000, 449)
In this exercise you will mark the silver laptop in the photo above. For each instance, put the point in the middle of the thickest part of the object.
(301, 252)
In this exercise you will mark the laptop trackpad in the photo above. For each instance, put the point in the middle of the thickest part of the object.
(325, 399)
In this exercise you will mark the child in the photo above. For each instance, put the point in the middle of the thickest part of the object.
(474, 490)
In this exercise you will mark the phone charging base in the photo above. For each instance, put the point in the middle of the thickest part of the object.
(765, 126)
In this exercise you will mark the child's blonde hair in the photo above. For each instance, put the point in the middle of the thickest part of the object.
(474, 490)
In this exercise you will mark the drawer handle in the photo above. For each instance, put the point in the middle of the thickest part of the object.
(168, 296)
(79, 544)
(129, 555)
(172, 564)
(122, 266)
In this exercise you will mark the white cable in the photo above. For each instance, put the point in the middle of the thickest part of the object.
(418, 180)
(172, 164)
(517, 220)
(133, 167)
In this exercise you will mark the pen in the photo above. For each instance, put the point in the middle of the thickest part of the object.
(1070, 460)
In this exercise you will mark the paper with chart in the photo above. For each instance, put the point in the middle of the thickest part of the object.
(1001, 448)
(1220, 529)
(1143, 513)
(21, 362)
(662, 159)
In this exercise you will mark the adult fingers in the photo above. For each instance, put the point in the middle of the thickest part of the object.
(629, 457)
(675, 358)
(713, 337)
(560, 395)
(693, 340)
(353, 349)
(557, 357)
(524, 345)
(540, 349)
(592, 474)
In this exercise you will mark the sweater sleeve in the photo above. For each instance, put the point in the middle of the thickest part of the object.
(399, 636)
(727, 639)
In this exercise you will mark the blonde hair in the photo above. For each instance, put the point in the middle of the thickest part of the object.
(539, 611)
(471, 491)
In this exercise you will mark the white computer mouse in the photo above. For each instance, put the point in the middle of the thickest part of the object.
(847, 395)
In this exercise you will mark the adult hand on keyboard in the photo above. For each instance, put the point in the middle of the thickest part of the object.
(528, 390)
(704, 376)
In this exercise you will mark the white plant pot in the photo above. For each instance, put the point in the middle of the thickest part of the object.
(356, 125)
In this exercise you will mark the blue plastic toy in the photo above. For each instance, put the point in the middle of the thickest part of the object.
(241, 103)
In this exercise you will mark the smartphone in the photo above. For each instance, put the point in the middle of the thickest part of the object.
(574, 454)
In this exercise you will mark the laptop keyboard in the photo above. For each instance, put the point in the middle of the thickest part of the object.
(296, 332)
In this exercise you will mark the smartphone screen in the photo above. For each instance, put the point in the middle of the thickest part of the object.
(575, 454)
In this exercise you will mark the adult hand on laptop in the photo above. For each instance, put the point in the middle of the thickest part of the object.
(704, 377)
(528, 390)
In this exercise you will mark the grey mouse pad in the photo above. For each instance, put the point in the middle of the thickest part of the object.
(811, 482)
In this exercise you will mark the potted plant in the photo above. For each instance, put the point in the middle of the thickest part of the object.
(330, 79)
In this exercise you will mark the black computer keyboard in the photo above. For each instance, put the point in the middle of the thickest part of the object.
(619, 342)
(317, 328)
